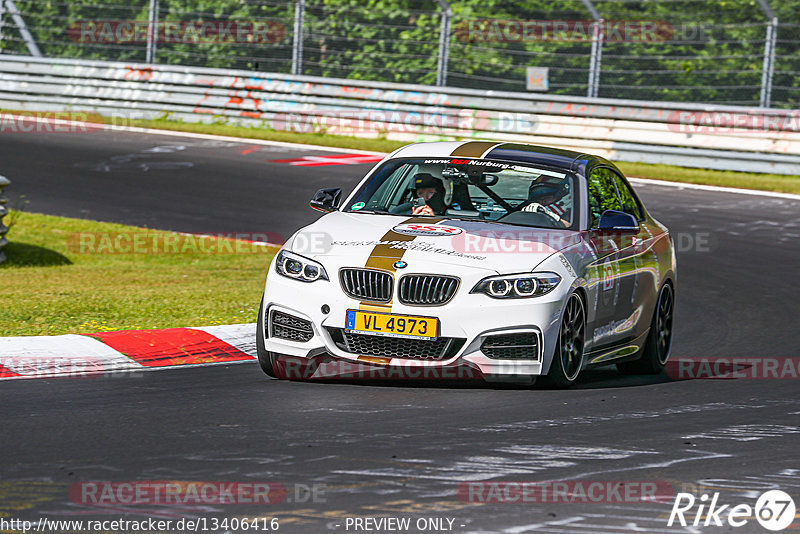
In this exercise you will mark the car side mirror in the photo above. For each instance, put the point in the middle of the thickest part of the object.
(326, 200)
(617, 221)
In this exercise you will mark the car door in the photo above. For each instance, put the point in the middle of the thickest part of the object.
(611, 286)
(638, 264)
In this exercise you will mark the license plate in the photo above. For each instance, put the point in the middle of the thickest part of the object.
(387, 324)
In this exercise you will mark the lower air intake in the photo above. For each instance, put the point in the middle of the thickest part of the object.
(440, 349)
(523, 346)
(285, 326)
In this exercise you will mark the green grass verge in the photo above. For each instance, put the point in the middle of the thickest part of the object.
(63, 276)
(782, 183)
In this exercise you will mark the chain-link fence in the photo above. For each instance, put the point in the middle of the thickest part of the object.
(740, 52)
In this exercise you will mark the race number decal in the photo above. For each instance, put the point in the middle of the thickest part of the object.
(608, 276)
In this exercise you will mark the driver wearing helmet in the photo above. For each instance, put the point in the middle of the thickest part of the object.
(428, 196)
(552, 198)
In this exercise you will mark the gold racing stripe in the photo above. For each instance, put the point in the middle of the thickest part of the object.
(383, 258)
(474, 149)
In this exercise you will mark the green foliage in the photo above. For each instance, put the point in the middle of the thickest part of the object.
(376, 40)
(704, 51)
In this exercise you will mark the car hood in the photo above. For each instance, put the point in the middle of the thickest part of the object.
(354, 239)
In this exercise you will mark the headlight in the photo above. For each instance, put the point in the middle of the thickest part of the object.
(295, 266)
(516, 286)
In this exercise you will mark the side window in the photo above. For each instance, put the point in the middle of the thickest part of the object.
(602, 194)
(629, 204)
(390, 191)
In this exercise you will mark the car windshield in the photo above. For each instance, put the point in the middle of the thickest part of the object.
(488, 190)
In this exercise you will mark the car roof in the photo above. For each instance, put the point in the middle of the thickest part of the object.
(517, 152)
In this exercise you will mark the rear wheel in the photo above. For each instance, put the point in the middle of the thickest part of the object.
(568, 356)
(655, 353)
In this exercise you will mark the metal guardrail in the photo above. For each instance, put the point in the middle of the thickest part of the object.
(691, 135)
(3, 212)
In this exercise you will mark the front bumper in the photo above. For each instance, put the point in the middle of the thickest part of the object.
(472, 320)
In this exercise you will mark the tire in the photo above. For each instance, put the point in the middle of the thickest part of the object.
(271, 362)
(265, 358)
(654, 355)
(568, 356)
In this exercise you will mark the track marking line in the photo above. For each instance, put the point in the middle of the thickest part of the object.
(333, 159)
(715, 188)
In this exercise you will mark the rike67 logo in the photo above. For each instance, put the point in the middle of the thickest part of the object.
(774, 510)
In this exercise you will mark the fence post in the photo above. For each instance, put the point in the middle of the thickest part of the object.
(444, 43)
(297, 43)
(593, 84)
(33, 48)
(596, 59)
(152, 32)
(3, 212)
(769, 52)
(2, 13)
(768, 70)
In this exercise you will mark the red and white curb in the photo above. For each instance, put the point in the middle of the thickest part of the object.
(88, 355)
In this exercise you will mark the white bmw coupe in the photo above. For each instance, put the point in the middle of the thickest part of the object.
(513, 261)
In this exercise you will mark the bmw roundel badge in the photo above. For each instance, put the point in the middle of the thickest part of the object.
(400, 264)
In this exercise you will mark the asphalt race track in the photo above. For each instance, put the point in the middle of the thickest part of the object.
(401, 450)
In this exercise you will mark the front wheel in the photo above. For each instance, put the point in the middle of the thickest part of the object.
(659, 340)
(278, 365)
(568, 356)
(265, 358)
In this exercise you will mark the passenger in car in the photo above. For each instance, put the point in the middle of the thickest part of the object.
(551, 198)
(429, 189)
